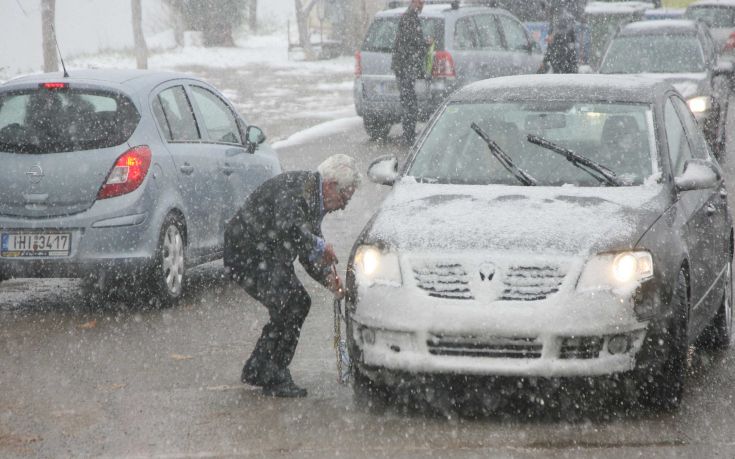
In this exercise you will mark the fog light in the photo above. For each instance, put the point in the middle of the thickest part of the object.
(618, 344)
(368, 336)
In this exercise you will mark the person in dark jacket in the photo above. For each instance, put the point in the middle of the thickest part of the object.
(408, 62)
(279, 222)
(561, 50)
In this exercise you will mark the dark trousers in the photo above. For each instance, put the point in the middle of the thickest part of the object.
(409, 105)
(288, 304)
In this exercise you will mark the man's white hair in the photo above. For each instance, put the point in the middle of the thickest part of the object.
(341, 169)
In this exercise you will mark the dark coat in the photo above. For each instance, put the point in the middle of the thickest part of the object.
(410, 48)
(280, 221)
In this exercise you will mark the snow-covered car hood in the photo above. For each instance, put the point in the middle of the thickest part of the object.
(688, 84)
(562, 220)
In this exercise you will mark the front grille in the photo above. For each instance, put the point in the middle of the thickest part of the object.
(583, 347)
(443, 280)
(492, 347)
(531, 283)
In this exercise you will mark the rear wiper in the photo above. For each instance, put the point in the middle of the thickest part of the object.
(598, 171)
(504, 159)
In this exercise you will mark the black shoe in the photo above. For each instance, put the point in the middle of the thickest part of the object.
(286, 389)
(252, 376)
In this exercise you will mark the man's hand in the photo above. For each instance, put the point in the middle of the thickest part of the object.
(329, 257)
(334, 284)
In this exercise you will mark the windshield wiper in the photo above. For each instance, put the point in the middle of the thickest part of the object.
(598, 171)
(504, 159)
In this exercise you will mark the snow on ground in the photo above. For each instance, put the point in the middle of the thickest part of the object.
(319, 131)
(277, 90)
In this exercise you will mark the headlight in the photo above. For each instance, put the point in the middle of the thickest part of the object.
(699, 104)
(616, 270)
(374, 266)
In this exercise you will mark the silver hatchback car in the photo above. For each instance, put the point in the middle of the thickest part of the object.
(124, 178)
(472, 43)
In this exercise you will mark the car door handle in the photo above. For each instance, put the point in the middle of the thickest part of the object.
(710, 209)
(187, 169)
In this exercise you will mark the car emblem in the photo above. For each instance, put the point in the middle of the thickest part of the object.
(35, 173)
(487, 271)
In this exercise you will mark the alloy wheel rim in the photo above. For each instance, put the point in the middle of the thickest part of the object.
(173, 260)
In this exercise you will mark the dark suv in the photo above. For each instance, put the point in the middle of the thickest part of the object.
(472, 43)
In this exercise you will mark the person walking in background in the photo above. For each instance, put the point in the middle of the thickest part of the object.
(279, 222)
(561, 50)
(408, 62)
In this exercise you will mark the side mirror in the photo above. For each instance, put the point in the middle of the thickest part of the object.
(723, 68)
(699, 174)
(253, 137)
(383, 170)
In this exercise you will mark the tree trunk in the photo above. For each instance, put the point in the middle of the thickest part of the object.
(253, 16)
(302, 21)
(141, 50)
(48, 16)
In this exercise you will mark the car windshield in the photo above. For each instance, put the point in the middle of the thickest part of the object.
(382, 33)
(713, 16)
(50, 121)
(613, 135)
(654, 54)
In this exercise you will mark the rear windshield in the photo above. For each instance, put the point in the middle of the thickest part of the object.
(713, 16)
(654, 54)
(382, 33)
(52, 121)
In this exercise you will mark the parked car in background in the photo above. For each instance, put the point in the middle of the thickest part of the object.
(124, 178)
(719, 15)
(545, 226)
(683, 53)
(472, 43)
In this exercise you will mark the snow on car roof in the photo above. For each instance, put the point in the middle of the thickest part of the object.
(601, 8)
(128, 77)
(660, 26)
(621, 88)
(438, 10)
(730, 3)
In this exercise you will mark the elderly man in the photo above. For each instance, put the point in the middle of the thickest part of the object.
(280, 221)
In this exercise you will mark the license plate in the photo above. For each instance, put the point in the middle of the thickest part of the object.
(386, 88)
(35, 245)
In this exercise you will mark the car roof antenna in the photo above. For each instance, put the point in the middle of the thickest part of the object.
(61, 58)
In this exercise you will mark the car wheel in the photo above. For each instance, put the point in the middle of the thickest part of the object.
(718, 334)
(375, 128)
(167, 274)
(661, 383)
(368, 394)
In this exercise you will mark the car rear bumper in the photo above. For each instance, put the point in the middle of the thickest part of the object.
(388, 107)
(124, 243)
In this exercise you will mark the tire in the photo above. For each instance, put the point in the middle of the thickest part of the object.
(718, 334)
(661, 384)
(376, 129)
(367, 394)
(166, 277)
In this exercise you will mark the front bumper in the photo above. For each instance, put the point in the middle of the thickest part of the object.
(565, 335)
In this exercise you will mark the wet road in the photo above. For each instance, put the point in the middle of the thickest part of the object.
(82, 378)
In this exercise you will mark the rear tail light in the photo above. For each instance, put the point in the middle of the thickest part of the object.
(54, 86)
(730, 43)
(443, 65)
(128, 172)
(358, 64)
